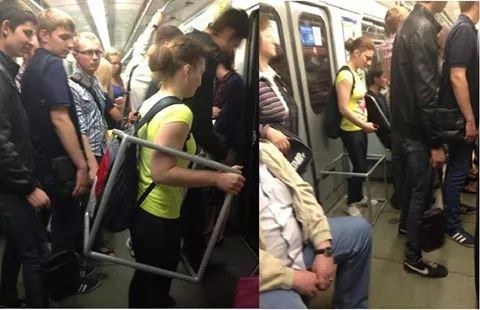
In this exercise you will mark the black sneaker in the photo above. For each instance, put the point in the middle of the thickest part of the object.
(426, 268)
(87, 271)
(402, 231)
(465, 209)
(88, 284)
(462, 237)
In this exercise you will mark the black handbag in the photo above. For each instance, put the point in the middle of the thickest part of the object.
(299, 155)
(432, 223)
(61, 274)
(432, 229)
(453, 124)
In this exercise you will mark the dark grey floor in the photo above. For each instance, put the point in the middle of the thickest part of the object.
(392, 287)
(228, 262)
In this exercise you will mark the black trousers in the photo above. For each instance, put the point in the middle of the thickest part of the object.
(156, 242)
(193, 217)
(356, 144)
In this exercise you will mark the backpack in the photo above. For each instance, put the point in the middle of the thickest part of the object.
(333, 117)
(122, 195)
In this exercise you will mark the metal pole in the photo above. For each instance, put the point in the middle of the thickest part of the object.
(106, 194)
(213, 238)
(89, 238)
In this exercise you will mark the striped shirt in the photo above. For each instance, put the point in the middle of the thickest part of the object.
(272, 106)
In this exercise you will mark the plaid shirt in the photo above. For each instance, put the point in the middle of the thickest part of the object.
(385, 50)
(90, 116)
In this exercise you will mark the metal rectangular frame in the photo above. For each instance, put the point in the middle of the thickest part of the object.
(379, 159)
(89, 236)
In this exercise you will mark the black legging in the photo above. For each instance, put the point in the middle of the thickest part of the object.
(156, 242)
(356, 144)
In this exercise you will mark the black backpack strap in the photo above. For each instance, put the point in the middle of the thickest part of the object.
(145, 194)
(348, 69)
(129, 87)
(90, 90)
(157, 107)
(160, 105)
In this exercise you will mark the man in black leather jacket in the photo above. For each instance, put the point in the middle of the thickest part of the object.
(416, 133)
(20, 195)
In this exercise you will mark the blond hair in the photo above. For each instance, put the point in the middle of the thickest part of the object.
(50, 19)
(112, 52)
(88, 36)
(104, 76)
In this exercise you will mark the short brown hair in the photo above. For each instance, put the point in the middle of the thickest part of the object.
(361, 43)
(50, 19)
(234, 18)
(393, 19)
(165, 60)
(263, 22)
(466, 5)
(16, 13)
(166, 33)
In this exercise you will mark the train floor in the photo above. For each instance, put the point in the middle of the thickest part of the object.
(228, 262)
(392, 287)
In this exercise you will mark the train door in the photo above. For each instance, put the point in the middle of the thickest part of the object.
(311, 26)
(285, 63)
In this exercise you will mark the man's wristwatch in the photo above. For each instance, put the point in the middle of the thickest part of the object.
(325, 251)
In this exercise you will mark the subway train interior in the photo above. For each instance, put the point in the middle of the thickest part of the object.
(309, 38)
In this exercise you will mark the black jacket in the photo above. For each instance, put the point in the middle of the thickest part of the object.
(415, 77)
(201, 102)
(15, 148)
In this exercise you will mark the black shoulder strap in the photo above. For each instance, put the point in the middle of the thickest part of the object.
(348, 69)
(90, 91)
(160, 105)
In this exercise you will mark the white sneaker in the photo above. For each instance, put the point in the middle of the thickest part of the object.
(363, 202)
(352, 210)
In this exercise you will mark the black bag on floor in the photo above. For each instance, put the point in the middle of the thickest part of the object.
(61, 274)
(432, 229)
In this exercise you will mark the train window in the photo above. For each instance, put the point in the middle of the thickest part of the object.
(279, 63)
(314, 41)
(349, 30)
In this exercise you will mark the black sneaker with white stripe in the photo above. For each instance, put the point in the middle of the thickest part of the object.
(89, 284)
(462, 237)
(426, 268)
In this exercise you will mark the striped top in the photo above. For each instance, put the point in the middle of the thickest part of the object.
(273, 108)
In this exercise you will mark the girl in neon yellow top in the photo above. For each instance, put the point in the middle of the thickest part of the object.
(355, 125)
(356, 102)
(155, 230)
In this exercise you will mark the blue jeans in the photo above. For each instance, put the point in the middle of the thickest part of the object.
(459, 155)
(25, 244)
(416, 189)
(351, 243)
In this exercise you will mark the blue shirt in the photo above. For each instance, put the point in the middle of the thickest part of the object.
(45, 87)
(90, 113)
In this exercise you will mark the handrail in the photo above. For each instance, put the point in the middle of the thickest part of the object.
(89, 236)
